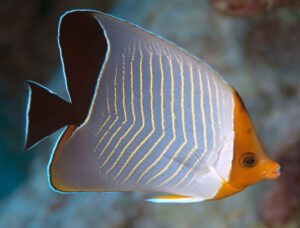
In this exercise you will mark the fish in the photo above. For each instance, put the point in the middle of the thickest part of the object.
(143, 115)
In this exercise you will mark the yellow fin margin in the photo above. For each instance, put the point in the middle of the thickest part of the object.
(174, 199)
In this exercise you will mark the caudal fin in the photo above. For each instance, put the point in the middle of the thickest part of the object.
(46, 113)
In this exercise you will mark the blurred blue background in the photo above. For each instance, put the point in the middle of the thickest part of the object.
(253, 44)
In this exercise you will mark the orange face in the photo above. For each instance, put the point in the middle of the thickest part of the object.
(250, 163)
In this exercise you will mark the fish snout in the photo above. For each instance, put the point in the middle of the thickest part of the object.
(274, 171)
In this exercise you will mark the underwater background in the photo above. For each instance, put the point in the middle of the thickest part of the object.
(254, 45)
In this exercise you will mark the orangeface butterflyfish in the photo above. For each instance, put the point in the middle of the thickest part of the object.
(143, 115)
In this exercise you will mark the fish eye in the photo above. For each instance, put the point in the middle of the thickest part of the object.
(248, 160)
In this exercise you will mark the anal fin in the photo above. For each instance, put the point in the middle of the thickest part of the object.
(174, 199)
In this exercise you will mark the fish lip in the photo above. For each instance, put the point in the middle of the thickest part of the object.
(274, 174)
(277, 173)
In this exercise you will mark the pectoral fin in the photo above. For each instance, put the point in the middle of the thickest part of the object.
(174, 199)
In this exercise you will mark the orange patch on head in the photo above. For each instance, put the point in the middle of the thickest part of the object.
(226, 190)
(250, 163)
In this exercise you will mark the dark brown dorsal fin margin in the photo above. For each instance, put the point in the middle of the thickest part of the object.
(83, 48)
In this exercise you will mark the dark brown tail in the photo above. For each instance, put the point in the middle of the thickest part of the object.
(46, 113)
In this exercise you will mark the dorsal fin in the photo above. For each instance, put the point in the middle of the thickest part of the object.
(83, 47)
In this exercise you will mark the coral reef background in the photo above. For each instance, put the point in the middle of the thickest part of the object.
(253, 44)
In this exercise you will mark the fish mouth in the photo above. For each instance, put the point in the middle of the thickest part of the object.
(274, 173)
